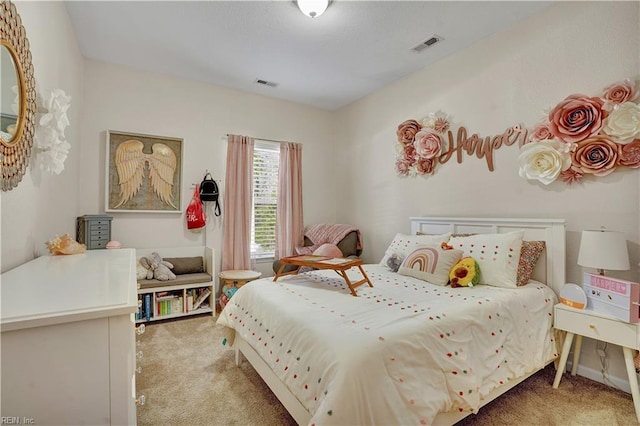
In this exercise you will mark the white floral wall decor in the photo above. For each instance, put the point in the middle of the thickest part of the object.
(49, 140)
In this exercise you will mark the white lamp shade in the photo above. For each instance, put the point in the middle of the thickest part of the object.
(313, 8)
(603, 250)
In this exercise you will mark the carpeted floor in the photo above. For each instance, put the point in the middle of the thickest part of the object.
(189, 378)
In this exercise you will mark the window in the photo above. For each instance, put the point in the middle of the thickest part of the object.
(266, 158)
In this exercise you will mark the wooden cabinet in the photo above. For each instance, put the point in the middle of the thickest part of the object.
(67, 335)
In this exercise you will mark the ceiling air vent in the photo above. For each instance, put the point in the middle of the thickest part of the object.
(266, 83)
(428, 43)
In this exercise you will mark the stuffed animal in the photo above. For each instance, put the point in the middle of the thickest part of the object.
(465, 273)
(394, 262)
(143, 269)
(161, 268)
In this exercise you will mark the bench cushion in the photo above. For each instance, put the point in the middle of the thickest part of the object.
(199, 277)
(186, 265)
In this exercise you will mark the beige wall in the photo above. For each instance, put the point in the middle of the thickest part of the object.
(45, 205)
(119, 98)
(508, 78)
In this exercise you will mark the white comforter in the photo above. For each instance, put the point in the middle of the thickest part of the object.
(400, 352)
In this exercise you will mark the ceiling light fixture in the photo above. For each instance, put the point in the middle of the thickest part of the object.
(312, 8)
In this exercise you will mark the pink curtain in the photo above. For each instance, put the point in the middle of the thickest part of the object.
(238, 198)
(289, 219)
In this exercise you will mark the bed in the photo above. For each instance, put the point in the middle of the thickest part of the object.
(405, 351)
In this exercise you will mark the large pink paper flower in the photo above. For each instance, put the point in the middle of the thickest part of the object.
(407, 131)
(630, 154)
(619, 93)
(428, 143)
(597, 155)
(577, 118)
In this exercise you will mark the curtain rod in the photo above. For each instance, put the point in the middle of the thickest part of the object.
(259, 139)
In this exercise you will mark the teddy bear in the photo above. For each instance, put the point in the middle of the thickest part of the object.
(161, 268)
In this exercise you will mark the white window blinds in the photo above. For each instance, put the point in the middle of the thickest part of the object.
(266, 157)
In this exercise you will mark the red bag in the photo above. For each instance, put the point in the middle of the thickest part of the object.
(196, 217)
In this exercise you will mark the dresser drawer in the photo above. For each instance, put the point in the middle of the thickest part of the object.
(596, 327)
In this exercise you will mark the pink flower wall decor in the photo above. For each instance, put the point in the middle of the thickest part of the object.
(421, 146)
(599, 134)
(581, 136)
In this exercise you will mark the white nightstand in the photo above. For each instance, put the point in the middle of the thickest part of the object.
(600, 327)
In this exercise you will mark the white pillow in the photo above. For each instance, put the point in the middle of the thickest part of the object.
(403, 244)
(497, 255)
(430, 263)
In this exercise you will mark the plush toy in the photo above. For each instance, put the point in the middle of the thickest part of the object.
(465, 273)
(394, 262)
(445, 246)
(161, 268)
(143, 269)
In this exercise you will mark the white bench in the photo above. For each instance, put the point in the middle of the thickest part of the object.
(191, 293)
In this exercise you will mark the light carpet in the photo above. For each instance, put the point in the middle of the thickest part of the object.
(189, 378)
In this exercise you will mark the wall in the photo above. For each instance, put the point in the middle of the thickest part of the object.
(508, 78)
(45, 205)
(124, 99)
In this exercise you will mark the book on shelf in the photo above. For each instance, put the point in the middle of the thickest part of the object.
(201, 299)
(189, 303)
(147, 306)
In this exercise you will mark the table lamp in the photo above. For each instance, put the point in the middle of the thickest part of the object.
(602, 249)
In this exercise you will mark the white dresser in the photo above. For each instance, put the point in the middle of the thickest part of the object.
(68, 346)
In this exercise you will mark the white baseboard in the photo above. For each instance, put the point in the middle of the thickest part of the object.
(621, 383)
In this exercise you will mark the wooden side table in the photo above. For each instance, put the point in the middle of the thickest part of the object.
(578, 322)
(232, 280)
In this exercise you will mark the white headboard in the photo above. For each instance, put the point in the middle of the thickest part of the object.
(550, 268)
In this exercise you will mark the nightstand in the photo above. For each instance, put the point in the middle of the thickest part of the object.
(578, 322)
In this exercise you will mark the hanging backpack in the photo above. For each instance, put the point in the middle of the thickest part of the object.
(209, 192)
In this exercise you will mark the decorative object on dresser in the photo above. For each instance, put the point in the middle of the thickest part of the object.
(68, 345)
(93, 230)
(65, 245)
(192, 292)
(232, 281)
(601, 327)
(602, 249)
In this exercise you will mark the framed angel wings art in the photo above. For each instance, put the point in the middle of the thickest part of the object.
(143, 173)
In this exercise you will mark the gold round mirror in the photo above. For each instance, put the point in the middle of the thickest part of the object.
(17, 97)
(11, 109)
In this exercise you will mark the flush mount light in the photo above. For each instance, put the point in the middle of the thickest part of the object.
(312, 8)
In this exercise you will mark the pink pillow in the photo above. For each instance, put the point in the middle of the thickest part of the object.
(330, 250)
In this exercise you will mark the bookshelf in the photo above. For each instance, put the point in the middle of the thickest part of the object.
(160, 303)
